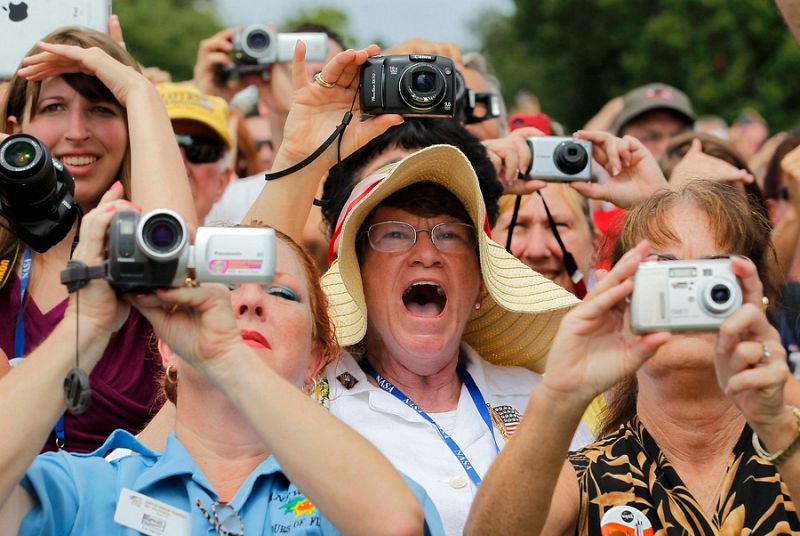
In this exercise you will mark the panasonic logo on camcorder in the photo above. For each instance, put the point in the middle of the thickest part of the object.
(228, 253)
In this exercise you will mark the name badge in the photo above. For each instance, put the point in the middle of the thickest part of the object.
(625, 521)
(149, 516)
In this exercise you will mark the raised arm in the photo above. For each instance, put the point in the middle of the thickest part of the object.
(634, 173)
(593, 350)
(315, 113)
(158, 176)
(32, 393)
(340, 471)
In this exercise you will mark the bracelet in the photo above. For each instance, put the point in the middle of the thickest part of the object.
(784, 454)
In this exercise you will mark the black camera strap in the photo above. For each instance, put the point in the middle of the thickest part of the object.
(568, 260)
(77, 275)
(337, 133)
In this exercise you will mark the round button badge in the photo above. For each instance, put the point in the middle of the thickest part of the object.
(625, 521)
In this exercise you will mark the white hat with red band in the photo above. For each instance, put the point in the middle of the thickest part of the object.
(520, 309)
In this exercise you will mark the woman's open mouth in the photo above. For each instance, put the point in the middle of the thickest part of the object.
(425, 298)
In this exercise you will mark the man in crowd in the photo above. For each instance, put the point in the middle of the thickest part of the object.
(200, 123)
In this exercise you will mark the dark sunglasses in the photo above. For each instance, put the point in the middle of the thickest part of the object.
(201, 149)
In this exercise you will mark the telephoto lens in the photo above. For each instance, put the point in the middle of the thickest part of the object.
(36, 192)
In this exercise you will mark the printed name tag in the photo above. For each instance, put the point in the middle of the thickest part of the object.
(151, 517)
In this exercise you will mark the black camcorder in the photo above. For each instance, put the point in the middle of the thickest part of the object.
(36, 192)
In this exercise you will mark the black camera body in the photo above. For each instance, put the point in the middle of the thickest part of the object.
(145, 252)
(409, 84)
(36, 192)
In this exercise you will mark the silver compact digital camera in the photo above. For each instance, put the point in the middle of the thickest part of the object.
(696, 295)
(150, 251)
(560, 159)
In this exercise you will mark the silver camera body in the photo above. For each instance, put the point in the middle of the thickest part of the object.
(695, 295)
(261, 45)
(560, 159)
(150, 251)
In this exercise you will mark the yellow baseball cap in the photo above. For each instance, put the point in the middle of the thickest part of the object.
(187, 102)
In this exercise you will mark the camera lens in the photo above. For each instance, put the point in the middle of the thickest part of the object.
(423, 82)
(162, 235)
(570, 157)
(720, 294)
(422, 86)
(20, 154)
(257, 40)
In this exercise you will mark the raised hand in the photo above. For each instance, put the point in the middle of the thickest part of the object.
(96, 304)
(55, 60)
(698, 165)
(634, 173)
(196, 323)
(595, 347)
(511, 157)
(317, 110)
(749, 358)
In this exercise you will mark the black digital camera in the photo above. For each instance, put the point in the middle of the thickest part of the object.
(409, 84)
(146, 252)
(257, 47)
(36, 192)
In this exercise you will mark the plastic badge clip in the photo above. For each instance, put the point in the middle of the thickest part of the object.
(77, 391)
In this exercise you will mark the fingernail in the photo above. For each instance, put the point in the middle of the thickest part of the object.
(615, 171)
(116, 186)
(110, 208)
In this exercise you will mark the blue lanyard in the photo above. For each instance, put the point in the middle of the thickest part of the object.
(19, 332)
(474, 393)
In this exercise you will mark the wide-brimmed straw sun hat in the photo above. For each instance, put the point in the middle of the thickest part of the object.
(520, 309)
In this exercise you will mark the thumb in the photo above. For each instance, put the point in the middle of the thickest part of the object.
(696, 147)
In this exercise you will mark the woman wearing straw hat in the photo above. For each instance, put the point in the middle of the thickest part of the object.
(425, 302)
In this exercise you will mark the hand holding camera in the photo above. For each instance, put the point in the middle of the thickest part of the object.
(696, 295)
(634, 173)
(594, 347)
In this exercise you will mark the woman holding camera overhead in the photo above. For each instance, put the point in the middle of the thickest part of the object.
(85, 99)
(251, 453)
(697, 437)
(425, 301)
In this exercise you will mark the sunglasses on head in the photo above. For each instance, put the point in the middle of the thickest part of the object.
(201, 149)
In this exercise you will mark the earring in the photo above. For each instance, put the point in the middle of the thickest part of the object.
(321, 392)
(172, 374)
(478, 306)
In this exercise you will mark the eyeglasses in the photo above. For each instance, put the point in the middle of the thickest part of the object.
(264, 143)
(223, 517)
(398, 236)
(200, 149)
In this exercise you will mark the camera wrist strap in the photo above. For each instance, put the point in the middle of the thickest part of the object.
(338, 132)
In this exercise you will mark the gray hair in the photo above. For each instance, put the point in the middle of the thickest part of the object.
(478, 62)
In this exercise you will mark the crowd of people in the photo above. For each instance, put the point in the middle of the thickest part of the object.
(446, 344)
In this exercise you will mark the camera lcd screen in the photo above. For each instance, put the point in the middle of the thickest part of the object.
(683, 272)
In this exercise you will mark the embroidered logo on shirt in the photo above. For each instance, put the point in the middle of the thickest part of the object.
(347, 380)
(299, 506)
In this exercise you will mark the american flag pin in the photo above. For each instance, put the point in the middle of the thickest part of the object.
(505, 418)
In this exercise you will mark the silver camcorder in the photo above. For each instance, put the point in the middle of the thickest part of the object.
(696, 295)
(261, 45)
(150, 251)
(560, 159)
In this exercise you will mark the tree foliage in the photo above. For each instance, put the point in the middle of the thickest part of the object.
(577, 54)
(166, 33)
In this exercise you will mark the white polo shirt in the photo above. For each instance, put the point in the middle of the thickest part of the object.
(415, 447)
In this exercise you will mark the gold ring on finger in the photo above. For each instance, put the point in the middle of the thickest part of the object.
(321, 81)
